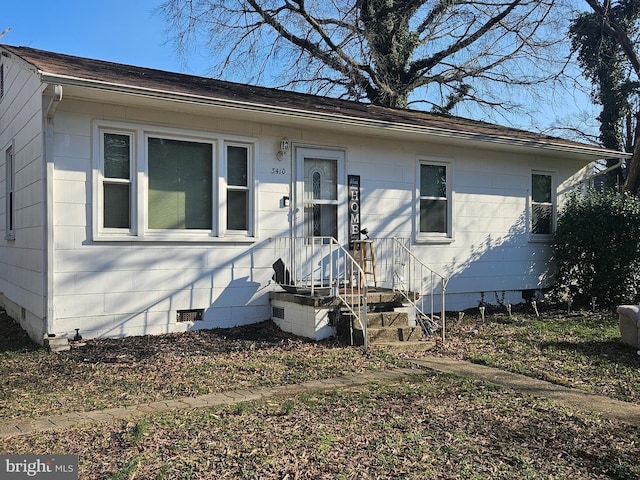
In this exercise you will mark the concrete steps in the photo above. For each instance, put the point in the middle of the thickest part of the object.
(393, 334)
(391, 320)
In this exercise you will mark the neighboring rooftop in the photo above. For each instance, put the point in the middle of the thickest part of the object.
(67, 69)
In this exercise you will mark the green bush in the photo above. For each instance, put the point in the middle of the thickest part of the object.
(597, 249)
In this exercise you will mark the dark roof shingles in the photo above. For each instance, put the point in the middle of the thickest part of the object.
(159, 80)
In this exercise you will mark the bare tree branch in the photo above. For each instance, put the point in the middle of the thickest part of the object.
(380, 51)
(615, 31)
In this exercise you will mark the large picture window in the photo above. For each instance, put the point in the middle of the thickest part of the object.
(164, 184)
(542, 204)
(180, 184)
(434, 205)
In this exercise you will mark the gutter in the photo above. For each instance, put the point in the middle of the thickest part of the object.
(341, 120)
(589, 180)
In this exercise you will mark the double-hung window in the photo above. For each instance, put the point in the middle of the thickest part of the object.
(238, 188)
(434, 206)
(164, 184)
(543, 203)
(10, 182)
(117, 179)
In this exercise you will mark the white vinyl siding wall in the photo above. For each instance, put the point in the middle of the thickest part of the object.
(22, 267)
(131, 287)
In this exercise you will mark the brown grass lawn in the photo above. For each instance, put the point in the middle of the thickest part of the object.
(429, 426)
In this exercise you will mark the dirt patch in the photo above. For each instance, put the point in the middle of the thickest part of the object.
(257, 336)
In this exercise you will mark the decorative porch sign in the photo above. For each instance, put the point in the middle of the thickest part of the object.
(354, 209)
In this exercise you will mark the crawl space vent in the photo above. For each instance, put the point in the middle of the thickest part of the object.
(277, 312)
(190, 315)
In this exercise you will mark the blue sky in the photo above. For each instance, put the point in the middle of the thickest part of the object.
(133, 32)
(123, 31)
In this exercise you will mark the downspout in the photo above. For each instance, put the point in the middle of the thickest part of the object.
(48, 241)
(53, 103)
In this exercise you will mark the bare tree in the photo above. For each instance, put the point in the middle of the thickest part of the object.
(387, 52)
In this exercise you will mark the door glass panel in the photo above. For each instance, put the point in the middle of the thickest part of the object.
(320, 220)
(321, 198)
(320, 179)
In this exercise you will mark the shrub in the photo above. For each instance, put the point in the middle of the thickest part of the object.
(597, 249)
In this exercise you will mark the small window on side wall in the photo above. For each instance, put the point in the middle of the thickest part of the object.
(10, 176)
(543, 203)
(434, 206)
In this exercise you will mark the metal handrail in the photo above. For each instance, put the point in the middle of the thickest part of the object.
(318, 264)
(321, 266)
(410, 278)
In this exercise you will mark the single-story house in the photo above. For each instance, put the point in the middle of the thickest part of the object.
(137, 201)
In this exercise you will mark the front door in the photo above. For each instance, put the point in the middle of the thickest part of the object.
(320, 189)
(320, 205)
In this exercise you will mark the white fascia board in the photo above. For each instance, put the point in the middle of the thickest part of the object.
(593, 153)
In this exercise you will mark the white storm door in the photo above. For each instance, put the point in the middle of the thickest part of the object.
(320, 207)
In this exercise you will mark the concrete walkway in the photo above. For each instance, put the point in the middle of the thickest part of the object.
(607, 407)
(613, 409)
(75, 419)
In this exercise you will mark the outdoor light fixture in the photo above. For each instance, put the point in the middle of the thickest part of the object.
(284, 148)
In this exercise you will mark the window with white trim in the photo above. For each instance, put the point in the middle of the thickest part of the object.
(164, 184)
(434, 206)
(116, 179)
(180, 184)
(238, 188)
(543, 204)
(10, 182)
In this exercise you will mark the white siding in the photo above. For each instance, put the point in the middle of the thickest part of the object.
(131, 287)
(136, 287)
(22, 259)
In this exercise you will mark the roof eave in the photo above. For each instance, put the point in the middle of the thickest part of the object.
(592, 153)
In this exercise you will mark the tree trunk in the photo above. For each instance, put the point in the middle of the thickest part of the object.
(615, 31)
(633, 172)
